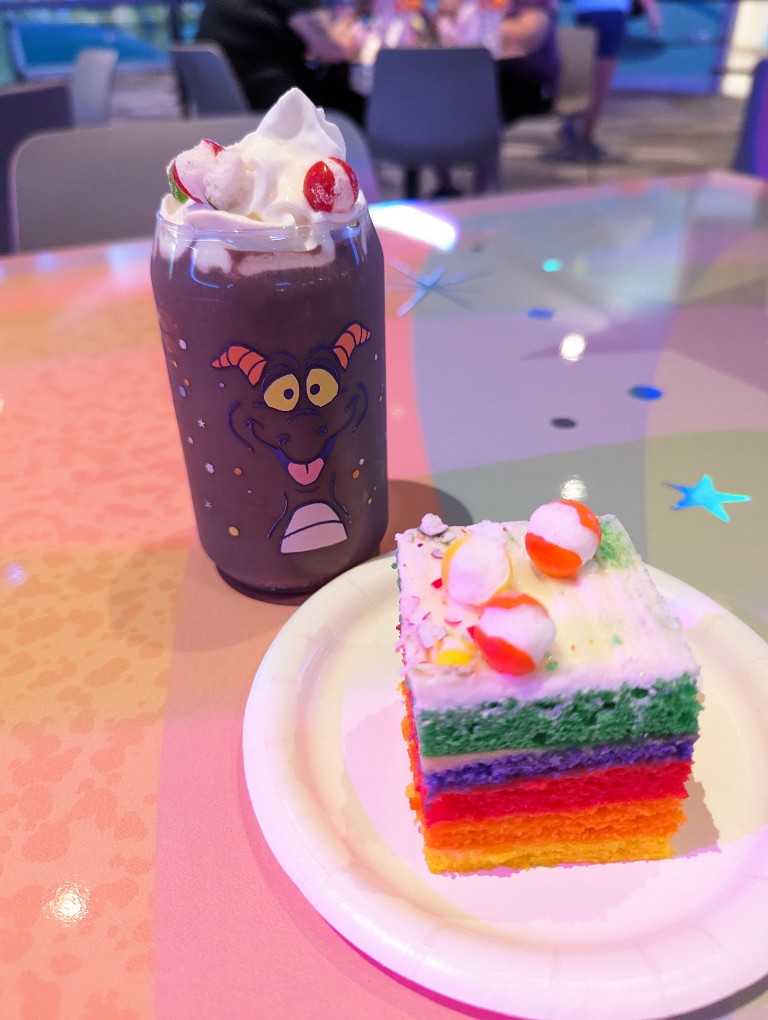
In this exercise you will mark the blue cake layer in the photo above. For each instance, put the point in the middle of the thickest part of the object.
(501, 770)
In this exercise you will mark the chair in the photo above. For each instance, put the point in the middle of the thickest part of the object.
(436, 107)
(577, 47)
(110, 179)
(207, 84)
(752, 151)
(25, 110)
(90, 85)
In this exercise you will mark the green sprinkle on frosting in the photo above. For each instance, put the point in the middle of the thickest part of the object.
(616, 548)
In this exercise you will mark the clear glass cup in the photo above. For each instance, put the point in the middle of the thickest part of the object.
(274, 342)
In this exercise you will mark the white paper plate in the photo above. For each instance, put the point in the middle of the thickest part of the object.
(326, 768)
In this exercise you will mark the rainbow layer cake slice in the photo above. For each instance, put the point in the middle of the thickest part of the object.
(551, 698)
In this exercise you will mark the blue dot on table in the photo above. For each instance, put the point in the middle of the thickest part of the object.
(182, 391)
(645, 393)
(540, 313)
(551, 265)
(563, 423)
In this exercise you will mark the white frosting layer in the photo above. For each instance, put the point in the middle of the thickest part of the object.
(612, 625)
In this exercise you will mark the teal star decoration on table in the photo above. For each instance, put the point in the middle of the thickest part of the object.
(704, 494)
(435, 282)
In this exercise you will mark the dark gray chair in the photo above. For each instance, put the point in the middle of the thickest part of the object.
(207, 84)
(25, 110)
(109, 180)
(752, 150)
(437, 107)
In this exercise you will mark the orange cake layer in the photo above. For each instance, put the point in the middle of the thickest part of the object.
(640, 848)
(656, 818)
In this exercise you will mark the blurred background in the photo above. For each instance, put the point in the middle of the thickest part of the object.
(675, 107)
(701, 41)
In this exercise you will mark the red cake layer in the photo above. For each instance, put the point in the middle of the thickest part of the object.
(570, 792)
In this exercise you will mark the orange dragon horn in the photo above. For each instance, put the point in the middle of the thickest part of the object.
(352, 337)
(250, 362)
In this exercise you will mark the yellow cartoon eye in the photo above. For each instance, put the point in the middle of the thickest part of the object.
(283, 393)
(321, 387)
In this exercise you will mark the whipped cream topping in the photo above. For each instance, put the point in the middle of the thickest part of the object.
(260, 179)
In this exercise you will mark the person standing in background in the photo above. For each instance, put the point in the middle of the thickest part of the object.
(275, 45)
(609, 19)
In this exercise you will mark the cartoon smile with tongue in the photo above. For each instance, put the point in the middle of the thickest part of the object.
(299, 409)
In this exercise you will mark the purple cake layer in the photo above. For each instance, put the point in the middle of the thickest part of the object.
(501, 770)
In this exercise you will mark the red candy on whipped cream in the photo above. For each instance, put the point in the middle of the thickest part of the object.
(331, 185)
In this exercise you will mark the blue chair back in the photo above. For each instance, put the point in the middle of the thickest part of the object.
(752, 151)
(434, 107)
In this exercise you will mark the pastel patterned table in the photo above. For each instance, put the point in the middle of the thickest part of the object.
(605, 343)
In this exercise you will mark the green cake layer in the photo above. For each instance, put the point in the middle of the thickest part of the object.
(629, 713)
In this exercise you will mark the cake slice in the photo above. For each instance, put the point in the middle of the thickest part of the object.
(549, 719)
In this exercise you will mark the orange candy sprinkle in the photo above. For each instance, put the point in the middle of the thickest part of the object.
(548, 522)
(552, 560)
(516, 658)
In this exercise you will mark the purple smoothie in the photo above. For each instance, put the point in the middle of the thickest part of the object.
(277, 370)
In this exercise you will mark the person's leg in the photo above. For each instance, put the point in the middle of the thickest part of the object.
(446, 188)
(520, 95)
(611, 28)
(605, 69)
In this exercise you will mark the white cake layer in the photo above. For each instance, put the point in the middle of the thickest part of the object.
(613, 626)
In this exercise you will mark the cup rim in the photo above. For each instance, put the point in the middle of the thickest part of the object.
(264, 230)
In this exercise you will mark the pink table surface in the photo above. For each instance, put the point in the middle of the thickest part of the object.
(134, 879)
